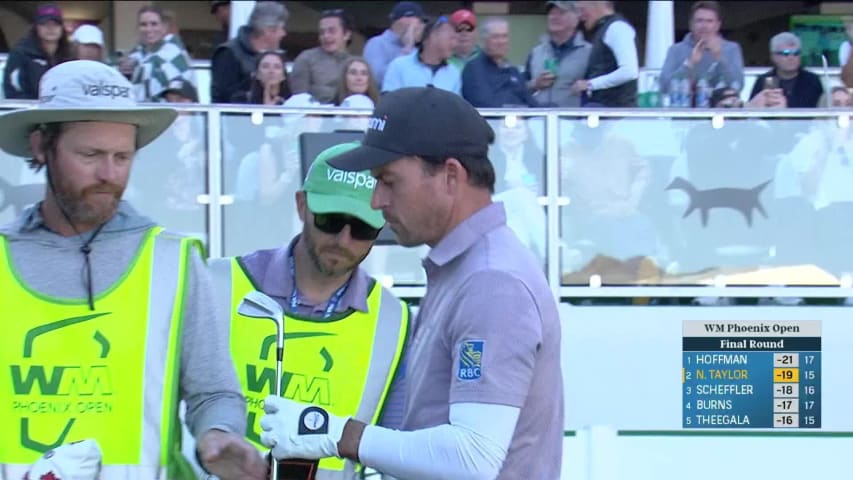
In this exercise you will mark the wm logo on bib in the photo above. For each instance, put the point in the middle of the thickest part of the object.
(470, 360)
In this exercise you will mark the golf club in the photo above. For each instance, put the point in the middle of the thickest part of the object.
(258, 305)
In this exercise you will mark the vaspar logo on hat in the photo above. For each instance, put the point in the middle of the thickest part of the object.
(331, 190)
(354, 179)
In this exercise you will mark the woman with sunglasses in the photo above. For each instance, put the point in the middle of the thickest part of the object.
(345, 331)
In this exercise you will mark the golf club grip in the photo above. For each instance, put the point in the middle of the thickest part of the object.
(279, 354)
(295, 469)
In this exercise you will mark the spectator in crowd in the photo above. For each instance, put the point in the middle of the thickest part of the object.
(725, 97)
(428, 64)
(45, 46)
(170, 18)
(840, 97)
(88, 43)
(846, 53)
(704, 53)
(180, 91)
(221, 11)
(801, 88)
(407, 26)
(518, 160)
(560, 59)
(611, 76)
(318, 70)
(158, 60)
(466, 49)
(269, 81)
(234, 61)
(490, 80)
(846, 47)
(728, 97)
(357, 81)
(519, 180)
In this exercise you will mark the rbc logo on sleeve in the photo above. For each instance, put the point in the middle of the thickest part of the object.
(470, 360)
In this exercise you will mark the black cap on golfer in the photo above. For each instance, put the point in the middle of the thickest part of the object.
(421, 121)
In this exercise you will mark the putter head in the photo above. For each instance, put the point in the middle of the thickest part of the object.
(258, 305)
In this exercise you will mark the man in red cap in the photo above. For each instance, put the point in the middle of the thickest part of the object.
(465, 23)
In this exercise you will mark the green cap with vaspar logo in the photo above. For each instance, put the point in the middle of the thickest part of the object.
(330, 190)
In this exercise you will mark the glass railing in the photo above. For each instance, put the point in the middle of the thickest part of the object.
(612, 203)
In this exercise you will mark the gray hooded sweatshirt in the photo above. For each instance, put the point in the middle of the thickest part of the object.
(53, 265)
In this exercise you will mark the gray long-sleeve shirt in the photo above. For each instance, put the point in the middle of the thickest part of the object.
(727, 71)
(52, 264)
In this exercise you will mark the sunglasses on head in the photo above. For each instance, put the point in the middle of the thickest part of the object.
(789, 52)
(333, 223)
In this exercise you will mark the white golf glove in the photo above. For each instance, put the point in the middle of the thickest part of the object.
(297, 430)
(73, 461)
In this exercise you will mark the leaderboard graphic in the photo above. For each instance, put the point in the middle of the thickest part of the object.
(751, 374)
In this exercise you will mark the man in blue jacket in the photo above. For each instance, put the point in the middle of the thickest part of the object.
(489, 80)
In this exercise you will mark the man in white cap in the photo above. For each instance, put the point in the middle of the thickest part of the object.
(88, 43)
(108, 316)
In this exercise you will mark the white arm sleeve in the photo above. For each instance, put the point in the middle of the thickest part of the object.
(473, 446)
(620, 38)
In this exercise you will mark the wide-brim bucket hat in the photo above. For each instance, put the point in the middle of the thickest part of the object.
(82, 91)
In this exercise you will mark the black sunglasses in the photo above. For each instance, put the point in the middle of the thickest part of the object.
(333, 223)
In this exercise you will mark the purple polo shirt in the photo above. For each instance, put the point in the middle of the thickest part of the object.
(488, 331)
(270, 272)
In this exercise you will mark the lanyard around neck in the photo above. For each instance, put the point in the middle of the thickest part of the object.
(294, 294)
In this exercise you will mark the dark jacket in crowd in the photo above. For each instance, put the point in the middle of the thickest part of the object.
(487, 85)
(802, 91)
(602, 61)
(231, 68)
(25, 65)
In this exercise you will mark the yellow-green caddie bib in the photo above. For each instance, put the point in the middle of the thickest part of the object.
(344, 363)
(70, 373)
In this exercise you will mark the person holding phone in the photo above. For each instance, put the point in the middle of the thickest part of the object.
(788, 84)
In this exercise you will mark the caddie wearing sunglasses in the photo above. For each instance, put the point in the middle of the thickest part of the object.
(342, 329)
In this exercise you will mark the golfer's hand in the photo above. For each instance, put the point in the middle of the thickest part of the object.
(79, 460)
(230, 457)
(296, 430)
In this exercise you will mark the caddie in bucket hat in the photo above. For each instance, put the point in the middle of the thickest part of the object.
(358, 324)
(87, 280)
(483, 383)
